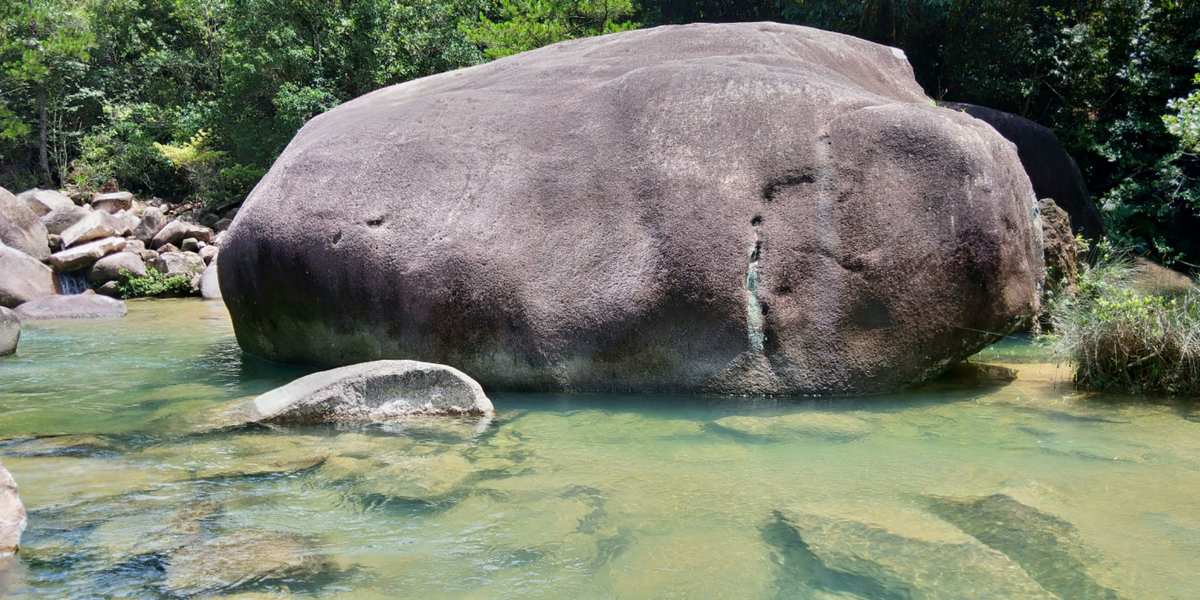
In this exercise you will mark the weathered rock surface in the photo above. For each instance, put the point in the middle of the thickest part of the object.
(112, 201)
(178, 230)
(740, 208)
(87, 305)
(84, 255)
(61, 219)
(12, 514)
(1061, 254)
(23, 277)
(1150, 277)
(374, 391)
(20, 228)
(42, 201)
(867, 560)
(152, 222)
(239, 559)
(179, 263)
(209, 253)
(95, 225)
(116, 267)
(10, 331)
(210, 286)
(1052, 171)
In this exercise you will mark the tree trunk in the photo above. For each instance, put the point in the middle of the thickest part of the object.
(43, 142)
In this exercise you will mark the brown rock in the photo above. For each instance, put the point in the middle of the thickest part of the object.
(746, 208)
(152, 222)
(1061, 255)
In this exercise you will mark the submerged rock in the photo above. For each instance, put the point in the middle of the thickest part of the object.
(20, 227)
(10, 331)
(12, 514)
(418, 478)
(24, 277)
(848, 558)
(87, 305)
(374, 391)
(834, 427)
(748, 208)
(1047, 547)
(242, 559)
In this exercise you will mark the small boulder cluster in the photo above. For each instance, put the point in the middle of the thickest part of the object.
(61, 254)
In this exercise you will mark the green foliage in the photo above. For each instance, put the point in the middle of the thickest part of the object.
(1119, 338)
(521, 25)
(153, 285)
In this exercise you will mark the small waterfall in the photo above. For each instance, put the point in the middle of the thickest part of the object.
(72, 282)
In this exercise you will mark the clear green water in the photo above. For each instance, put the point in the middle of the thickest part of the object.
(1002, 490)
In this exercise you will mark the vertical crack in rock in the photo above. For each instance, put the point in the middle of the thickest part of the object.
(754, 307)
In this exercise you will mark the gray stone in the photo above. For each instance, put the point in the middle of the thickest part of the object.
(55, 242)
(10, 331)
(95, 225)
(116, 267)
(189, 245)
(112, 289)
(1052, 171)
(128, 220)
(134, 245)
(60, 219)
(748, 208)
(22, 277)
(12, 514)
(223, 224)
(210, 287)
(78, 306)
(152, 222)
(150, 257)
(209, 253)
(179, 263)
(112, 201)
(165, 248)
(176, 231)
(20, 228)
(42, 202)
(374, 391)
(85, 255)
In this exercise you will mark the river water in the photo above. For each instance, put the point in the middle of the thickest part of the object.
(975, 487)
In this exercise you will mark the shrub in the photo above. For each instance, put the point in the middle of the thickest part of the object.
(153, 284)
(1122, 339)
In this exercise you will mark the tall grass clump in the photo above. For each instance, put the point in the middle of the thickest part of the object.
(1121, 335)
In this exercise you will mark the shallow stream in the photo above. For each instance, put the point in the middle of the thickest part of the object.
(970, 488)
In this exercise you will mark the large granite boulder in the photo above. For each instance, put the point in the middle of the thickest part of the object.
(61, 219)
(87, 305)
(84, 255)
(10, 331)
(375, 391)
(93, 226)
(42, 201)
(12, 514)
(1052, 171)
(151, 223)
(743, 208)
(22, 277)
(210, 286)
(116, 267)
(176, 231)
(20, 228)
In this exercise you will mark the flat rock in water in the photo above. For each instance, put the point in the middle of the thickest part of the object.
(24, 277)
(10, 331)
(375, 391)
(12, 514)
(241, 559)
(420, 478)
(78, 306)
(20, 227)
(84, 255)
(746, 208)
(820, 553)
(834, 427)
